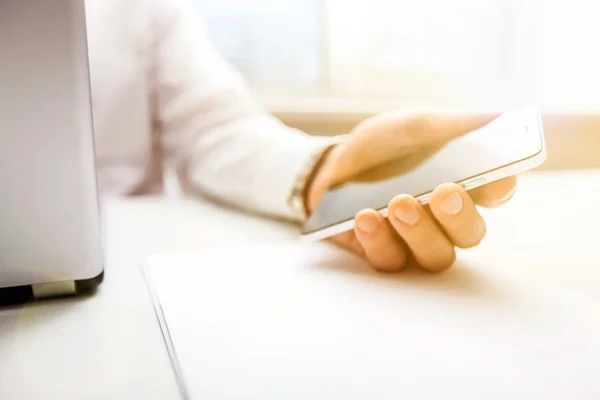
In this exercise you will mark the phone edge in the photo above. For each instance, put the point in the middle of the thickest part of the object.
(472, 183)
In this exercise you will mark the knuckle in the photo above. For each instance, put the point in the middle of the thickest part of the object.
(389, 266)
(391, 259)
(469, 243)
(476, 234)
(440, 263)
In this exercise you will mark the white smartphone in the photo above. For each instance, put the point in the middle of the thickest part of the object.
(510, 144)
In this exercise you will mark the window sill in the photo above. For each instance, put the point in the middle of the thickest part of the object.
(331, 107)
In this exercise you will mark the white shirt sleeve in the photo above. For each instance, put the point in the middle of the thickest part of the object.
(217, 137)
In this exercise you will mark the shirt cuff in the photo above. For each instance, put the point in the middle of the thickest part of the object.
(298, 161)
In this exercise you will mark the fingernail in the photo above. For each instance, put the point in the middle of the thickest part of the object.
(453, 204)
(367, 225)
(407, 212)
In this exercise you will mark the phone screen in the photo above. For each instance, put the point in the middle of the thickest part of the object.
(510, 138)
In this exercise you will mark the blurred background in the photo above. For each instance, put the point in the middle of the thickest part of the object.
(323, 65)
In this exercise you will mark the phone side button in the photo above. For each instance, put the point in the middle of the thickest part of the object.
(424, 199)
(474, 183)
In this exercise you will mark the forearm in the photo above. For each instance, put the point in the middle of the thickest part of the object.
(218, 138)
(252, 163)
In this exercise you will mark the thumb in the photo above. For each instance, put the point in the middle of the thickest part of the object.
(388, 137)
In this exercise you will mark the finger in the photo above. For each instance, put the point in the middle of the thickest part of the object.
(348, 241)
(383, 250)
(495, 193)
(455, 211)
(430, 247)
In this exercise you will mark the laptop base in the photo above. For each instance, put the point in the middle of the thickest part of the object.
(19, 295)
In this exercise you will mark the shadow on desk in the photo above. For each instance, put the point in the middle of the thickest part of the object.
(463, 280)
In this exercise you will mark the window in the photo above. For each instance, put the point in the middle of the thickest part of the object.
(494, 53)
(431, 51)
(276, 44)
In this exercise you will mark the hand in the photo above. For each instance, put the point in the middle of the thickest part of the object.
(389, 145)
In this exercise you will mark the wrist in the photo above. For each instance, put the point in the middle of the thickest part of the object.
(322, 178)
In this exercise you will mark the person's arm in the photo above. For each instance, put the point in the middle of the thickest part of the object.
(227, 146)
(220, 141)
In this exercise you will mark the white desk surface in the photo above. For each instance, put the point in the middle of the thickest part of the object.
(109, 346)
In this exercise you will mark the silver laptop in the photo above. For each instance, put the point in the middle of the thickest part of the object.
(50, 242)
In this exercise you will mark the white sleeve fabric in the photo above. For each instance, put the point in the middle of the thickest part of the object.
(214, 133)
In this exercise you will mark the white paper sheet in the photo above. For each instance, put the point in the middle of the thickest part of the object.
(308, 321)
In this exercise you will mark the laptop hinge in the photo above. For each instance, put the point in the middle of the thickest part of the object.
(54, 289)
